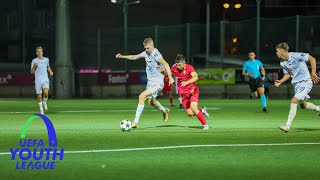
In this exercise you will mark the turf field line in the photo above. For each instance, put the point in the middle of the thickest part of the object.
(87, 111)
(180, 147)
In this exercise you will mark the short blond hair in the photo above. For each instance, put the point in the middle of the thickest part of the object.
(39, 47)
(147, 41)
(283, 46)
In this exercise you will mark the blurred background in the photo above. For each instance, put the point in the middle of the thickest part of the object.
(81, 38)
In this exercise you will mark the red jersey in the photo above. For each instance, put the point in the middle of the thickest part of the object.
(166, 79)
(182, 76)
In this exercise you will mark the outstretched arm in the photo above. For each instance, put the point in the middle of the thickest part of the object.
(282, 80)
(168, 70)
(313, 64)
(129, 57)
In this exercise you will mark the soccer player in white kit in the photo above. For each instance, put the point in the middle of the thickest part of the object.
(155, 82)
(294, 66)
(39, 67)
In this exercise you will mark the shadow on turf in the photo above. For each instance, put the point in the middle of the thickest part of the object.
(194, 127)
(305, 129)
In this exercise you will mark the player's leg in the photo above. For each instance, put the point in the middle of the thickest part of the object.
(260, 88)
(301, 94)
(142, 98)
(156, 104)
(170, 98)
(179, 95)
(263, 98)
(45, 87)
(305, 104)
(180, 101)
(38, 88)
(291, 115)
(198, 113)
(205, 112)
(194, 99)
(45, 98)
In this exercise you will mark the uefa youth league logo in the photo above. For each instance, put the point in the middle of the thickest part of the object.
(35, 153)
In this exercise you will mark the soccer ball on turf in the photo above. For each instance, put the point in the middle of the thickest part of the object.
(125, 125)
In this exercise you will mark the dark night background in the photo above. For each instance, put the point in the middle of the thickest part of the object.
(87, 15)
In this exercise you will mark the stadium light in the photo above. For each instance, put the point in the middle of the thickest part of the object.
(237, 6)
(234, 39)
(226, 5)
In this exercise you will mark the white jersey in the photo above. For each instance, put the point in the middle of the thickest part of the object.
(152, 62)
(41, 73)
(296, 66)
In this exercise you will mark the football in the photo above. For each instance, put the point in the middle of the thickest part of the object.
(125, 125)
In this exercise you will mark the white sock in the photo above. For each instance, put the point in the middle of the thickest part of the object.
(312, 106)
(40, 106)
(45, 100)
(138, 113)
(160, 107)
(292, 114)
(180, 100)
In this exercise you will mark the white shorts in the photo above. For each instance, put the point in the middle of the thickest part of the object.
(155, 87)
(41, 85)
(301, 90)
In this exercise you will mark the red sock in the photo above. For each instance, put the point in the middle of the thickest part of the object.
(201, 117)
(170, 100)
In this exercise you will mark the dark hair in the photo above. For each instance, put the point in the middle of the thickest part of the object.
(252, 52)
(180, 58)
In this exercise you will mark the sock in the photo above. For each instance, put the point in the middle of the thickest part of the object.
(160, 107)
(312, 106)
(263, 100)
(251, 93)
(40, 106)
(180, 100)
(292, 114)
(201, 117)
(171, 101)
(138, 113)
(45, 100)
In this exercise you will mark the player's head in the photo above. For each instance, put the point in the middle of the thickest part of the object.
(39, 51)
(180, 62)
(148, 44)
(282, 49)
(252, 55)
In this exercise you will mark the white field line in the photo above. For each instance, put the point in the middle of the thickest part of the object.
(180, 147)
(88, 111)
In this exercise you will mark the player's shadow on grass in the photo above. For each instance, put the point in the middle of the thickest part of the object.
(194, 127)
(305, 129)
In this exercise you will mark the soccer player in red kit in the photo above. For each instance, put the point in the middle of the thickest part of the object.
(187, 87)
(167, 88)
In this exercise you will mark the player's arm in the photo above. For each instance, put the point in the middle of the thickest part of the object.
(33, 67)
(313, 64)
(129, 57)
(282, 80)
(50, 71)
(263, 73)
(167, 69)
(194, 78)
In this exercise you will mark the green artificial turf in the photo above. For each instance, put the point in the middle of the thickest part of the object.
(237, 127)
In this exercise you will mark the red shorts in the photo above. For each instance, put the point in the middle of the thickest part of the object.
(188, 98)
(166, 88)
